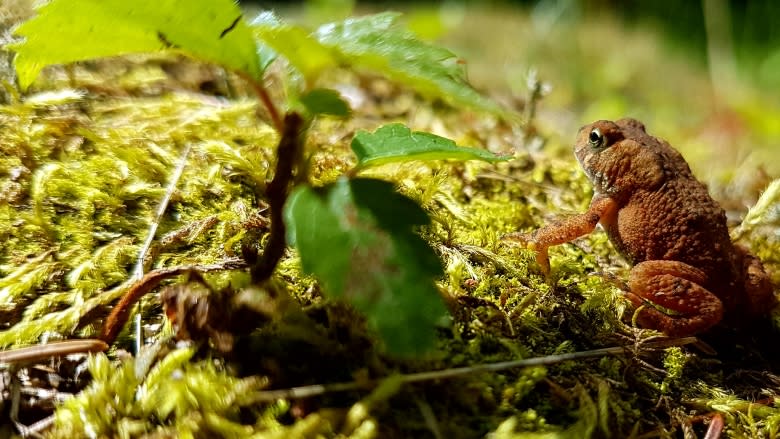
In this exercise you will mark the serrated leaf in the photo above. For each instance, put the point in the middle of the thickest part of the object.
(294, 43)
(376, 42)
(66, 31)
(357, 237)
(397, 143)
(325, 101)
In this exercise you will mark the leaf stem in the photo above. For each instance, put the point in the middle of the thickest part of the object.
(265, 98)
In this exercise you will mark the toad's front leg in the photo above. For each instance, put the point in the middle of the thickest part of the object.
(601, 209)
(672, 299)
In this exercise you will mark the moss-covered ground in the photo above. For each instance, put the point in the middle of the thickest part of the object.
(86, 158)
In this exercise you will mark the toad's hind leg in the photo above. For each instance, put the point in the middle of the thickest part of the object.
(675, 302)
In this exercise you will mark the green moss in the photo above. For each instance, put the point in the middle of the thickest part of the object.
(674, 363)
(89, 184)
(175, 397)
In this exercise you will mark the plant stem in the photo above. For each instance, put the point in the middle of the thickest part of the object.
(290, 146)
(265, 98)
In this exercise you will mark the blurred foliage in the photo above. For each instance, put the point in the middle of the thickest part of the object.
(603, 61)
(751, 24)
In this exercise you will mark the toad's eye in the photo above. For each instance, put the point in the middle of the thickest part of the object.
(596, 139)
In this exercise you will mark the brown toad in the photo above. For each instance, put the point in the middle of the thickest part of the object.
(686, 271)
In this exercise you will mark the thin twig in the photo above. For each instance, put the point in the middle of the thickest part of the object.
(33, 354)
(429, 417)
(35, 429)
(320, 389)
(121, 311)
(138, 270)
(277, 190)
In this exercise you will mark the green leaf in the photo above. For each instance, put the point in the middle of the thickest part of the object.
(322, 11)
(325, 101)
(397, 143)
(377, 43)
(265, 56)
(65, 31)
(357, 237)
(294, 43)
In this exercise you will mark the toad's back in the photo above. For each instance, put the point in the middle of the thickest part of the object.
(676, 221)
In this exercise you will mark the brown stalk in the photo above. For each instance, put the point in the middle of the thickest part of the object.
(33, 354)
(278, 189)
(265, 98)
(121, 311)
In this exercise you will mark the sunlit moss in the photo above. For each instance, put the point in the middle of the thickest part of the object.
(87, 187)
(176, 396)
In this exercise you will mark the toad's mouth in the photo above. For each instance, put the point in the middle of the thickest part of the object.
(597, 178)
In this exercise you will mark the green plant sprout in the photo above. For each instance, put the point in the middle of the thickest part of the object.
(375, 261)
